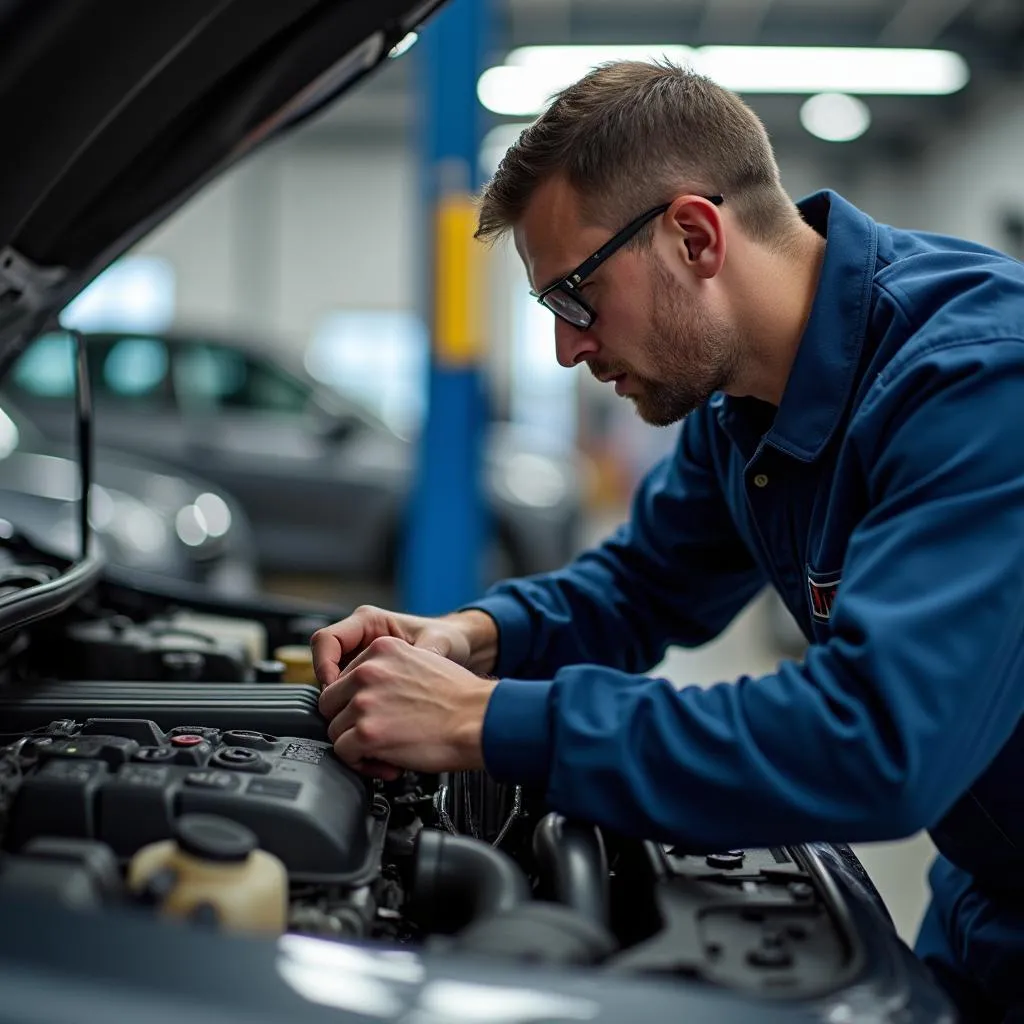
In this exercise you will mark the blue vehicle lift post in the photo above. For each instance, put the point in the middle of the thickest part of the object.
(447, 530)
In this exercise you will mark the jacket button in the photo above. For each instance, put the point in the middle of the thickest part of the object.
(760, 480)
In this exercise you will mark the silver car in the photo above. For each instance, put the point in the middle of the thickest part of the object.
(323, 481)
(144, 516)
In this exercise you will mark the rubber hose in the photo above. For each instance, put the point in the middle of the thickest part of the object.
(458, 880)
(573, 865)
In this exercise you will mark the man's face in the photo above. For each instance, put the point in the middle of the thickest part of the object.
(653, 337)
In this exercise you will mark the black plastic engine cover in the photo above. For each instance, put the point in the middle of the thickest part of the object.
(124, 781)
(282, 709)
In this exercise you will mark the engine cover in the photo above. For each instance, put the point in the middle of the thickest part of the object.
(123, 781)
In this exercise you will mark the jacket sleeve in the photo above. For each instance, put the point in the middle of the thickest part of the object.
(676, 573)
(883, 726)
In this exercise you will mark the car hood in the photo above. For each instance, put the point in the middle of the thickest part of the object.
(115, 112)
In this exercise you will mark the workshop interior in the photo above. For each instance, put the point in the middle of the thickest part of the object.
(255, 372)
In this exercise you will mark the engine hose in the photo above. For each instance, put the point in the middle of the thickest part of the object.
(573, 865)
(458, 880)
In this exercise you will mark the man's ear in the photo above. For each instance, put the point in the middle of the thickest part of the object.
(698, 234)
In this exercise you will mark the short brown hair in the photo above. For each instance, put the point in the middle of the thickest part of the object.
(631, 135)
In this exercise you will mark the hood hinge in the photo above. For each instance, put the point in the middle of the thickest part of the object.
(23, 285)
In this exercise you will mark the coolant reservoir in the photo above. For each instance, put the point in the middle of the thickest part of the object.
(212, 871)
(298, 664)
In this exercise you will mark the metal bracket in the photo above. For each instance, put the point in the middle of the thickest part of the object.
(23, 284)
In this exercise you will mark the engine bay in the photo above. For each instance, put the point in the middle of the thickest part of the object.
(156, 759)
(413, 862)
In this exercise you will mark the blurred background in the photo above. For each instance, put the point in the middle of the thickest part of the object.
(263, 363)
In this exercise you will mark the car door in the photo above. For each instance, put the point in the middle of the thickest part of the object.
(133, 398)
(254, 429)
(131, 392)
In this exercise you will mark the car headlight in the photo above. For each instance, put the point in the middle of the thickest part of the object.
(140, 533)
(138, 536)
(203, 522)
(534, 480)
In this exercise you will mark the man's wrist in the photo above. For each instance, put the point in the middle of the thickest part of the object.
(481, 633)
(468, 735)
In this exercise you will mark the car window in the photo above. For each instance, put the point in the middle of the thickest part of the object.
(46, 369)
(208, 376)
(133, 368)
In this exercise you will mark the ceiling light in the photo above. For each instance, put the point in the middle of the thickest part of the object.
(518, 92)
(835, 117)
(531, 75)
(803, 69)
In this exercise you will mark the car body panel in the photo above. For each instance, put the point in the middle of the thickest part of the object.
(136, 503)
(165, 96)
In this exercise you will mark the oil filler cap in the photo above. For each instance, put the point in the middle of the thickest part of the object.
(210, 837)
(186, 739)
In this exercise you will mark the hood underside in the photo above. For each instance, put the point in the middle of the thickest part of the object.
(116, 111)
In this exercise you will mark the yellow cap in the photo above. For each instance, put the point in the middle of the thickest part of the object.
(298, 664)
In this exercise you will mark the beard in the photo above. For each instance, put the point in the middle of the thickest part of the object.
(695, 353)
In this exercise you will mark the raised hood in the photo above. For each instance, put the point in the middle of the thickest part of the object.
(115, 111)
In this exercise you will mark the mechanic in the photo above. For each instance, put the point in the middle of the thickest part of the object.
(853, 398)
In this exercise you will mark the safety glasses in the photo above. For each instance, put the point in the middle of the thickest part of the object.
(563, 298)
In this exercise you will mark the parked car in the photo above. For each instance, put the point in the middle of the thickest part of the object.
(145, 516)
(324, 482)
(193, 848)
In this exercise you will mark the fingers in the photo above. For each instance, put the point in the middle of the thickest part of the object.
(351, 747)
(342, 722)
(334, 645)
(327, 651)
(336, 698)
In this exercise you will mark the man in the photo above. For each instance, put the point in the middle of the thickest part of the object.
(854, 436)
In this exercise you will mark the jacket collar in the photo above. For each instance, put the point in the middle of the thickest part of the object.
(825, 369)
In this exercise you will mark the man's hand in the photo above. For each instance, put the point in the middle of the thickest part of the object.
(402, 706)
(467, 638)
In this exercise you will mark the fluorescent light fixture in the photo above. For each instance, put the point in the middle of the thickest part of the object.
(404, 45)
(531, 75)
(862, 70)
(524, 85)
(515, 92)
(835, 117)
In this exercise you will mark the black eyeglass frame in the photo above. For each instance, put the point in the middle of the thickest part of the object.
(569, 285)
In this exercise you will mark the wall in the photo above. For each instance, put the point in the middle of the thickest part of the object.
(293, 233)
(964, 183)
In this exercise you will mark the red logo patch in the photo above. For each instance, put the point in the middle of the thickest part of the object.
(822, 590)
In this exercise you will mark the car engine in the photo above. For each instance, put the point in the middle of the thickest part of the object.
(156, 760)
(369, 860)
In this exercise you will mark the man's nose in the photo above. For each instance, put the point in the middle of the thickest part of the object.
(572, 345)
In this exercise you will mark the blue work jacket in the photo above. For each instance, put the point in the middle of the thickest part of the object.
(884, 500)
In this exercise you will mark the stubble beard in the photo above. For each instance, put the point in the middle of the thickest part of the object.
(695, 354)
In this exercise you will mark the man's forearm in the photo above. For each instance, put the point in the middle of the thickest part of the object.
(482, 633)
